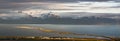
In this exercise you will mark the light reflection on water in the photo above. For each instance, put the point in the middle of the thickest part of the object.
(38, 29)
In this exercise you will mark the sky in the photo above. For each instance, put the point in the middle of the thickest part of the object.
(23, 8)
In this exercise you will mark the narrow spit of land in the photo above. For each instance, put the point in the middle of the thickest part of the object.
(96, 38)
(47, 38)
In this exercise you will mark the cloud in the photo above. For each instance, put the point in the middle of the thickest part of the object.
(10, 8)
(50, 0)
(16, 4)
(12, 15)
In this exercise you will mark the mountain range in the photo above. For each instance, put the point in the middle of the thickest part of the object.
(55, 19)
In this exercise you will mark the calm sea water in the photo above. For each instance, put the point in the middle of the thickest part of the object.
(28, 29)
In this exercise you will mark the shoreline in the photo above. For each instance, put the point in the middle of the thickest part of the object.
(49, 38)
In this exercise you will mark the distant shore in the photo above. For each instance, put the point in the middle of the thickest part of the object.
(31, 38)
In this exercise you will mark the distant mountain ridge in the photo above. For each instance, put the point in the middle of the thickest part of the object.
(55, 19)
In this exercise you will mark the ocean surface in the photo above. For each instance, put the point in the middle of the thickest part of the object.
(44, 29)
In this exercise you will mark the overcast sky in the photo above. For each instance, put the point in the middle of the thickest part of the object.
(22, 8)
